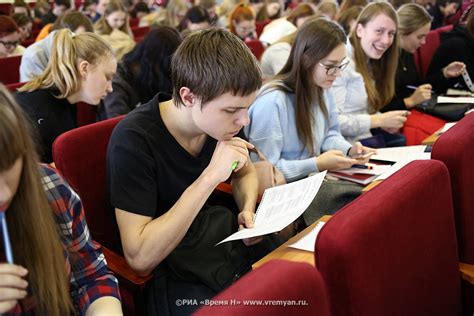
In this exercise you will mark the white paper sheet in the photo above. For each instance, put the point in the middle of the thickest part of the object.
(280, 206)
(398, 153)
(402, 163)
(455, 99)
(446, 127)
(307, 242)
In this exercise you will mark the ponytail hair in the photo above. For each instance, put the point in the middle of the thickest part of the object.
(62, 71)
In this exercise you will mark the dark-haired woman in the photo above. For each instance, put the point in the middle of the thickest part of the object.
(143, 73)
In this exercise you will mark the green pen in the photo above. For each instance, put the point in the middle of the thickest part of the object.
(234, 165)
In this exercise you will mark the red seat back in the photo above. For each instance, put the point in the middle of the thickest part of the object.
(393, 250)
(10, 69)
(456, 149)
(256, 47)
(140, 31)
(260, 291)
(425, 53)
(80, 156)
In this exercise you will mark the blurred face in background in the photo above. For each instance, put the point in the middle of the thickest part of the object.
(8, 43)
(411, 42)
(116, 19)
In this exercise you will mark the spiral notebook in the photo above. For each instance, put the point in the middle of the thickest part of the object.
(280, 206)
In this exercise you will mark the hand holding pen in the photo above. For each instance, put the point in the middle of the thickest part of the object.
(421, 94)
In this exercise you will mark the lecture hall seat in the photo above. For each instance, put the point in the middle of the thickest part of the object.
(455, 148)
(393, 250)
(10, 69)
(274, 282)
(80, 157)
(256, 47)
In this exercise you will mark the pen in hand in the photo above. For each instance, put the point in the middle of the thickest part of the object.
(6, 238)
(415, 87)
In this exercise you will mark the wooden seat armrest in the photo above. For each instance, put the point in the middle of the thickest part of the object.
(467, 272)
(120, 267)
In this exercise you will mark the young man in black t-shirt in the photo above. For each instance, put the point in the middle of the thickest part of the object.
(165, 159)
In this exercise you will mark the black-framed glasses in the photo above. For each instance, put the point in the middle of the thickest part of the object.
(10, 44)
(332, 70)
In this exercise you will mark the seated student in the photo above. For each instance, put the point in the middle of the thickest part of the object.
(20, 7)
(81, 69)
(414, 23)
(369, 82)
(294, 120)
(286, 25)
(197, 18)
(172, 15)
(242, 23)
(456, 45)
(328, 9)
(113, 26)
(144, 72)
(36, 56)
(59, 8)
(58, 269)
(164, 161)
(275, 56)
(25, 25)
(9, 38)
(210, 6)
(441, 10)
(270, 10)
(348, 18)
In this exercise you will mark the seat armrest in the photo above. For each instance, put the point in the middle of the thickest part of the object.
(118, 265)
(467, 272)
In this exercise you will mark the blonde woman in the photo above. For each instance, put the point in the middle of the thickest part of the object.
(369, 82)
(54, 268)
(114, 27)
(81, 69)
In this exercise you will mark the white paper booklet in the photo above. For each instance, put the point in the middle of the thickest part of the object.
(402, 163)
(307, 242)
(455, 99)
(280, 206)
(398, 153)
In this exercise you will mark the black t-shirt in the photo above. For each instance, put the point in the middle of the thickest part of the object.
(147, 168)
(50, 117)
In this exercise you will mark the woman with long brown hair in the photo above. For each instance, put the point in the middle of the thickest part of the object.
(369, 82)
(294, 120)
(55, 268)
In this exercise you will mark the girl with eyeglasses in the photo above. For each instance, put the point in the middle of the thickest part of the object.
(369, 82)
(9, 38)
(53, 267)
(242, 23)
(294, 120)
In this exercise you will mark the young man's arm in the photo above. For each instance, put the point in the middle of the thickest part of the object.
(146, 241)
(245, 191)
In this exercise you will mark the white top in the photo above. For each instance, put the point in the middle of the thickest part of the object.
(276, 29)
(351, 100)
(274, 58)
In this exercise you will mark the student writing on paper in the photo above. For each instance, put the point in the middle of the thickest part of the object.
(166, 158)
(294, 121)
(58, 270)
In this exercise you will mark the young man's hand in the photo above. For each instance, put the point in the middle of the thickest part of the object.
(245, 220)
(229, 156)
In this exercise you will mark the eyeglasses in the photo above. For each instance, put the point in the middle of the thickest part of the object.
(332, 70)
(9, 45)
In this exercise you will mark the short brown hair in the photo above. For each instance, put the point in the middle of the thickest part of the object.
(213, 62)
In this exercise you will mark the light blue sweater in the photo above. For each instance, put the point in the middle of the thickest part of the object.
(272, 130)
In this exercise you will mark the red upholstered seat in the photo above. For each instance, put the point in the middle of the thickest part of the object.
(140, 31)
(393, 250)
(80, 156)
(256, 47)
(274, 282)
(455, 149)
(10, 69)
(86, 114)
(425, 53)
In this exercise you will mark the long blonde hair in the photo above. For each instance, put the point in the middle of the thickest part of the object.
(103, 27)
(412, 17)
(62, 71)
(379, 75)
(34, 234)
